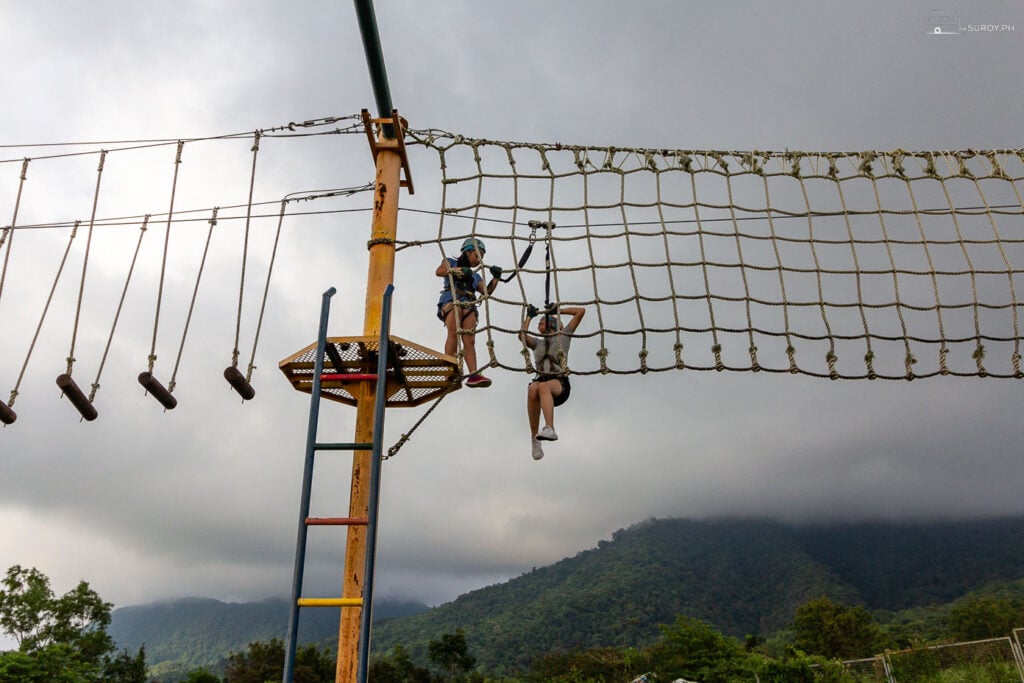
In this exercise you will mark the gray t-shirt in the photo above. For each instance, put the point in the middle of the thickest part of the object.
(551, 354)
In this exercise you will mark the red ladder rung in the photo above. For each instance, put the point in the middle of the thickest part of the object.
(336, 521)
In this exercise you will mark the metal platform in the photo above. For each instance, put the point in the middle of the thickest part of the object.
(415, 374)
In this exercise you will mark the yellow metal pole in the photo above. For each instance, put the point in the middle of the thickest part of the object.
(379, 275)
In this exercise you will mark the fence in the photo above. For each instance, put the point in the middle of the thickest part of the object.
(993, 660)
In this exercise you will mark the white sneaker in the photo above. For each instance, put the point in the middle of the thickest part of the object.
(538, 452)
(547, 434)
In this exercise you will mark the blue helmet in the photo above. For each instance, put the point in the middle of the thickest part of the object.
(472, 243)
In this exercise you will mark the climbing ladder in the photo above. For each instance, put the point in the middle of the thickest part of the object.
(403, 374)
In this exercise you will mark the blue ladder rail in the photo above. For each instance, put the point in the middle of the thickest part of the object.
(305, 521)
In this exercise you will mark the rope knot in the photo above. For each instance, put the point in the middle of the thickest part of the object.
(791, 352)
(866, 163)
(979, 356)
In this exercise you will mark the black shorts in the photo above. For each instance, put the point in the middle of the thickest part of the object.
(566, 387)
(466, 310)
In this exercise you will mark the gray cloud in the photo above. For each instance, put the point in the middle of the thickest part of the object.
(203, 499)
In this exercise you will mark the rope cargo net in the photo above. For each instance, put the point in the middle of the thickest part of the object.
(842, 265)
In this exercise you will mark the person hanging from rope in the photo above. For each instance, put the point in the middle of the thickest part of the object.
(462, 284)
(551, 353)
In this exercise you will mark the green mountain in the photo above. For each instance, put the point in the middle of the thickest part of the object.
(742, 576)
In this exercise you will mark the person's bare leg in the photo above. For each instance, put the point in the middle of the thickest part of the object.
(533, 409)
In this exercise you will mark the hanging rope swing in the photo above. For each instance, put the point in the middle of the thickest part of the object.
(150, 383)
(7, 414)
(238, 381)
(68, 387)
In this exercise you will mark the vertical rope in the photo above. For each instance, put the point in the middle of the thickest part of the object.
(716, 347)
(266, 292)
(192, 303)
(85, 259)
(514, 174)
(743, 272)
(980, 353)
(1016, 342)
(678, 346)
(632, 270)
(245, 248)
(869, 354)
(790, 350)
(120, 304)
(485, 304)
(943, 350)
(970, 268)
(163, 262)
(602, 352)
(909, 360)
(445, 181)
(830, 357)
(9, 230)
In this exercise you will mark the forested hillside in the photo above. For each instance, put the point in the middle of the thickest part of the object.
(744, 577)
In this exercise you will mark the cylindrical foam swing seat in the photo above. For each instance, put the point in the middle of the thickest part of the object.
(159, 392)
(239, 383)
(7, 414)
(70, 389)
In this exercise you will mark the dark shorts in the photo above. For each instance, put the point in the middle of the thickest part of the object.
(566, 387)
(441, 314)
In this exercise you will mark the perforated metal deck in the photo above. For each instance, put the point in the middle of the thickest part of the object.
(418, 376)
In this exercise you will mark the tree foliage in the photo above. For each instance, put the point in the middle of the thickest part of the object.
(692, 649)
(201, 675)
(59, 638)
(984, 617)
(822, 627)
(451, 653)
(264, 661)
(125, 667)
(397, 666)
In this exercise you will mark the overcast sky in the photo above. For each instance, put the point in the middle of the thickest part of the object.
(202, 500)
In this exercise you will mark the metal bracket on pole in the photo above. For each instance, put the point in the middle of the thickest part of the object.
(374, 128)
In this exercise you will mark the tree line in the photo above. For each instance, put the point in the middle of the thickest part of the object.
(64, 639)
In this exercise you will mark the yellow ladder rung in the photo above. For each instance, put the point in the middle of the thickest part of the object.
(330, 602)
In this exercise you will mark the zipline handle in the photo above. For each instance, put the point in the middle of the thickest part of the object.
(522, 262)
(534, 226)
